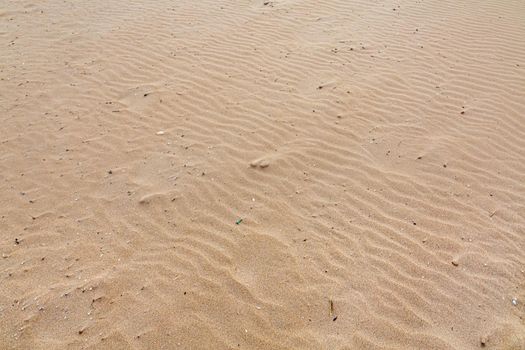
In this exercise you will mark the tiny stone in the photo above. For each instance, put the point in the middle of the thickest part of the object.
(455, 262)
(483, 340)
(264, 164)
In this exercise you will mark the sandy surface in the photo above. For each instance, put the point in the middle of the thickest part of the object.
(288, 174)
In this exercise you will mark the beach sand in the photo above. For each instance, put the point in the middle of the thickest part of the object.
(314, 174)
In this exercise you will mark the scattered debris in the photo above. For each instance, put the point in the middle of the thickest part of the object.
(238, 221)
(17, 241)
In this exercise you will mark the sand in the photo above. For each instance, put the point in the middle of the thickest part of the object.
(314, 174)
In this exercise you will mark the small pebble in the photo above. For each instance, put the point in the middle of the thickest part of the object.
(483, 340)
(264, 164)
(259, 163)
(455, 262)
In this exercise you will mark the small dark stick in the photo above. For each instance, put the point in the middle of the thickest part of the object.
(332, 310)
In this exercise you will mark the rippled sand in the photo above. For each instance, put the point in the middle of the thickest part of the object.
(314, 174)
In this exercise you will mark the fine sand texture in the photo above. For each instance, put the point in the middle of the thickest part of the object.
(252, 174)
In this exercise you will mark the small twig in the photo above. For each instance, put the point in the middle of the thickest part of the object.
(332, 311)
